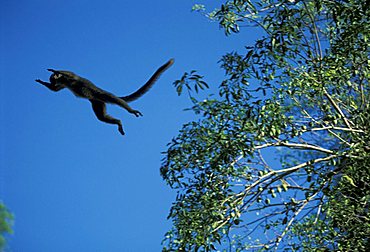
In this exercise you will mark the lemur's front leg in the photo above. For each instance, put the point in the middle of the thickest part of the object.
(50, 86)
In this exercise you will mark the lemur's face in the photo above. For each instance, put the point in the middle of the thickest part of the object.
(56, 78)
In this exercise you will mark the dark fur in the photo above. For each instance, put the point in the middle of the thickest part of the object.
(98, 97)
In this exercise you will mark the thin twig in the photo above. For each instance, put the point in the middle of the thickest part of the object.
(278, 240)
(337, 108)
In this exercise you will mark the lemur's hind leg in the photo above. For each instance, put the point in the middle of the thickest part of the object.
(101, 113)
(107, 97)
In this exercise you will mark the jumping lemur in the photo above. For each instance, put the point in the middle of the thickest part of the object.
(98, 97)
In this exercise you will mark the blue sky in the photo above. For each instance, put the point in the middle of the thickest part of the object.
(73, 182)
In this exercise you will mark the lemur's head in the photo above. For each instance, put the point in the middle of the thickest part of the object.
(56, 78)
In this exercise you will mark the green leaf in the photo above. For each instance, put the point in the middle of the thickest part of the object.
(349, 179)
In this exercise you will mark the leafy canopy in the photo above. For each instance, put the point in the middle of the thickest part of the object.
(5, 224)
(280, 159)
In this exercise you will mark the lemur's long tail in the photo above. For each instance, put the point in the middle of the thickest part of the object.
(145, 88)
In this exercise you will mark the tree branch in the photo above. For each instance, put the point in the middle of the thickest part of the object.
(278, 240)
(295, 145)
(337, 128)
(337, 108)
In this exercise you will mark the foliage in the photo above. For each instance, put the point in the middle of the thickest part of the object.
(281, 159)
(5, 224)
(188, 78)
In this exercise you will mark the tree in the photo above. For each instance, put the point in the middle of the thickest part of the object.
(301, 95)
(5, 224)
